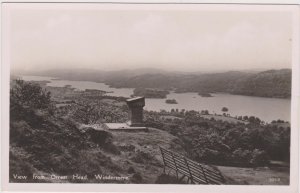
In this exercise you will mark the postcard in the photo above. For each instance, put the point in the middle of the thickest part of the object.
(142, 97)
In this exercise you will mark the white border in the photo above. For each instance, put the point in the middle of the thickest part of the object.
(294, 178)
(283, 2)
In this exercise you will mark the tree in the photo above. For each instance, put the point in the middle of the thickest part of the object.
(245, 118)
(251, 119)
(182, 111)
(205, 112)
(259, 157)
(224, 109)
(29, 95)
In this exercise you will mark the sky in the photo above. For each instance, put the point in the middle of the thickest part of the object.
(44, 38)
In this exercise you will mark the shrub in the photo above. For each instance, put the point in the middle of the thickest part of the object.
(259, 157)
(224, 109)
(142, 157)
(29, 95)
(241, 155)
(103, 139)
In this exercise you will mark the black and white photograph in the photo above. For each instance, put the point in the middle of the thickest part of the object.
(150, 94)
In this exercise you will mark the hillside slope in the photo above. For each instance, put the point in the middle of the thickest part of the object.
(44, 145)
(272, 83)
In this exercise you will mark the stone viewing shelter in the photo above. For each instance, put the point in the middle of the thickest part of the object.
(136, 106)
(135, 123)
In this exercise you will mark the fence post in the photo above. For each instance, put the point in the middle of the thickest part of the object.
(204, 178)
(191, 175)
(163, 159)
(175, 164)
(203, 173)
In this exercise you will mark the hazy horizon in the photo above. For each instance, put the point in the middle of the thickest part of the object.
(46, 37)
(137, 70)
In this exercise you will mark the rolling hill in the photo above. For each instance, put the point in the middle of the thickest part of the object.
(270, 83)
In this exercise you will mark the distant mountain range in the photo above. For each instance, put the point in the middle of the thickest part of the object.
(270, 83)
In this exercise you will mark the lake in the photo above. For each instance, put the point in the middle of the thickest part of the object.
(266, 109)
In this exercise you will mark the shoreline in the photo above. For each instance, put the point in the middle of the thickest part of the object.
(171, 95)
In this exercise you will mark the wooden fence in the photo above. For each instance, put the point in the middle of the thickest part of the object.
(195, 172)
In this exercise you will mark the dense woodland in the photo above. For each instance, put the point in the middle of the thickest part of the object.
(40, 128)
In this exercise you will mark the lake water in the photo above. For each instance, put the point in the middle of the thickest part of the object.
(266, 109)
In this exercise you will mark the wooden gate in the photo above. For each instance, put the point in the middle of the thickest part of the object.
(195, 172)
